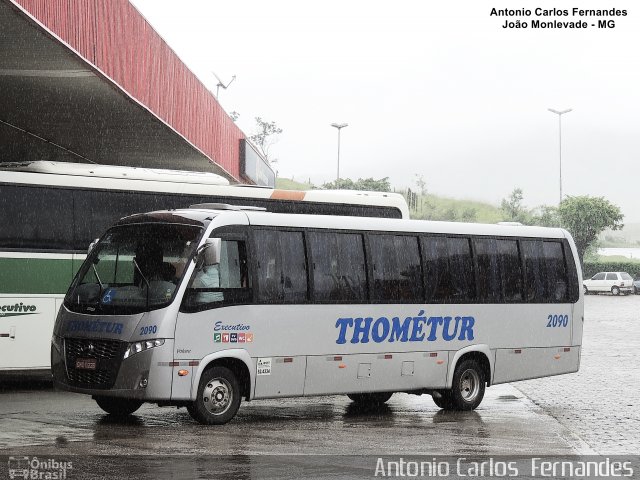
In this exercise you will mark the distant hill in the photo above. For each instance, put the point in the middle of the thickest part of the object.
(431, 207)
(434, 207)
(286, 184)
(629, 236)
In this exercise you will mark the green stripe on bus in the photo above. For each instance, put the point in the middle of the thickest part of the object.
(36, 275)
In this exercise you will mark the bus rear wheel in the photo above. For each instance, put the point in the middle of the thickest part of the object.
(372, 399)
(218, 397)
(119, 407)
(468, 385)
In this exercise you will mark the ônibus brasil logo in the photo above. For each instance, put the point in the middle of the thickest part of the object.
(17, 309)
(26, 467)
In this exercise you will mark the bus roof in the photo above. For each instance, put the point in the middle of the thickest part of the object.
(375, 224)
(104, 177)
(115, 172)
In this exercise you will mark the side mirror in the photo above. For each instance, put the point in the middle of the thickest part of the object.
(91, 245)
(211, 251)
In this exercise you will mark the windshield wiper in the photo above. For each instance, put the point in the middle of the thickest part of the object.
(95, 272)
(143, 278)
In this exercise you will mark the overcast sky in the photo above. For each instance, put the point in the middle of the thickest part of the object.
(437, 89)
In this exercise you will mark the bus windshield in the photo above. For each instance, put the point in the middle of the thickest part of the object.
(133, 268)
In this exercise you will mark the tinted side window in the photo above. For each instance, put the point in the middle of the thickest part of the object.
(489, 270)
(598, 276)
(572, 273)
(509, 259)
(545, 271)
(612, 276)
(95, 211)
(438, 280)
(556, 275)
(397, 274)
(534, 271)
(36, 218)
(224, 283)
(339, 271)
(449, 270)
(282, 267)
(462, 272)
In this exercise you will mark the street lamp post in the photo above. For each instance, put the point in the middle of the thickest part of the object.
(339, 126)
(560, 113)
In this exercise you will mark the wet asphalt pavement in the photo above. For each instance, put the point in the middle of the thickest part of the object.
(600, 402)
(593, 411)
(506, 423)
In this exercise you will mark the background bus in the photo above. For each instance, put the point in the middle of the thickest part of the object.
(50, 212)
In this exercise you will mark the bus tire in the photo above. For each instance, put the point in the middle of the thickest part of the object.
(468, 385)
(372, 399)
(118, 407)
(218, 397)
(442, 399)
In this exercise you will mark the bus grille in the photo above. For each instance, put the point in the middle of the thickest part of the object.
(88, 378)
(108, 355)
(84, 347)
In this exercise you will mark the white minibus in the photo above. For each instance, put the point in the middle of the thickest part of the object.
(206, 306)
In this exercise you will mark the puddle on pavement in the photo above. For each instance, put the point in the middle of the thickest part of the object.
(508, 398)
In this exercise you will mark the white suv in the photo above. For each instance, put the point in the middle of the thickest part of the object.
(614, 282)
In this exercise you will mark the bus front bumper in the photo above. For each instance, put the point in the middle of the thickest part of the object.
(145, 376)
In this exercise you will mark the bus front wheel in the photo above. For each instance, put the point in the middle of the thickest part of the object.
(119, 407)
(373, 399)
(218, 397)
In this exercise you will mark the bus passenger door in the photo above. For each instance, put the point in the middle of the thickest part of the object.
(211, 315)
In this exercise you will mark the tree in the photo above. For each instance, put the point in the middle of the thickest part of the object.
(512, 208)
(234, 115)
(449, 214)
(421, 184)
(368, 184)
(265, 136)
(586, 217)
(546, 216)
(469, 214)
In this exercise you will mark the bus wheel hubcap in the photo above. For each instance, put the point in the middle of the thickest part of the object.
(217, 396)
(469, 385)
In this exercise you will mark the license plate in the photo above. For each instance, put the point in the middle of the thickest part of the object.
(86, 363)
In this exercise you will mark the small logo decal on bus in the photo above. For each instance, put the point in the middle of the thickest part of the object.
(232, 333)
(108, 295)
(264, 366)
(411, 329)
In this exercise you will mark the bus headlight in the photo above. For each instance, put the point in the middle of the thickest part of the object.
(138, 347)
